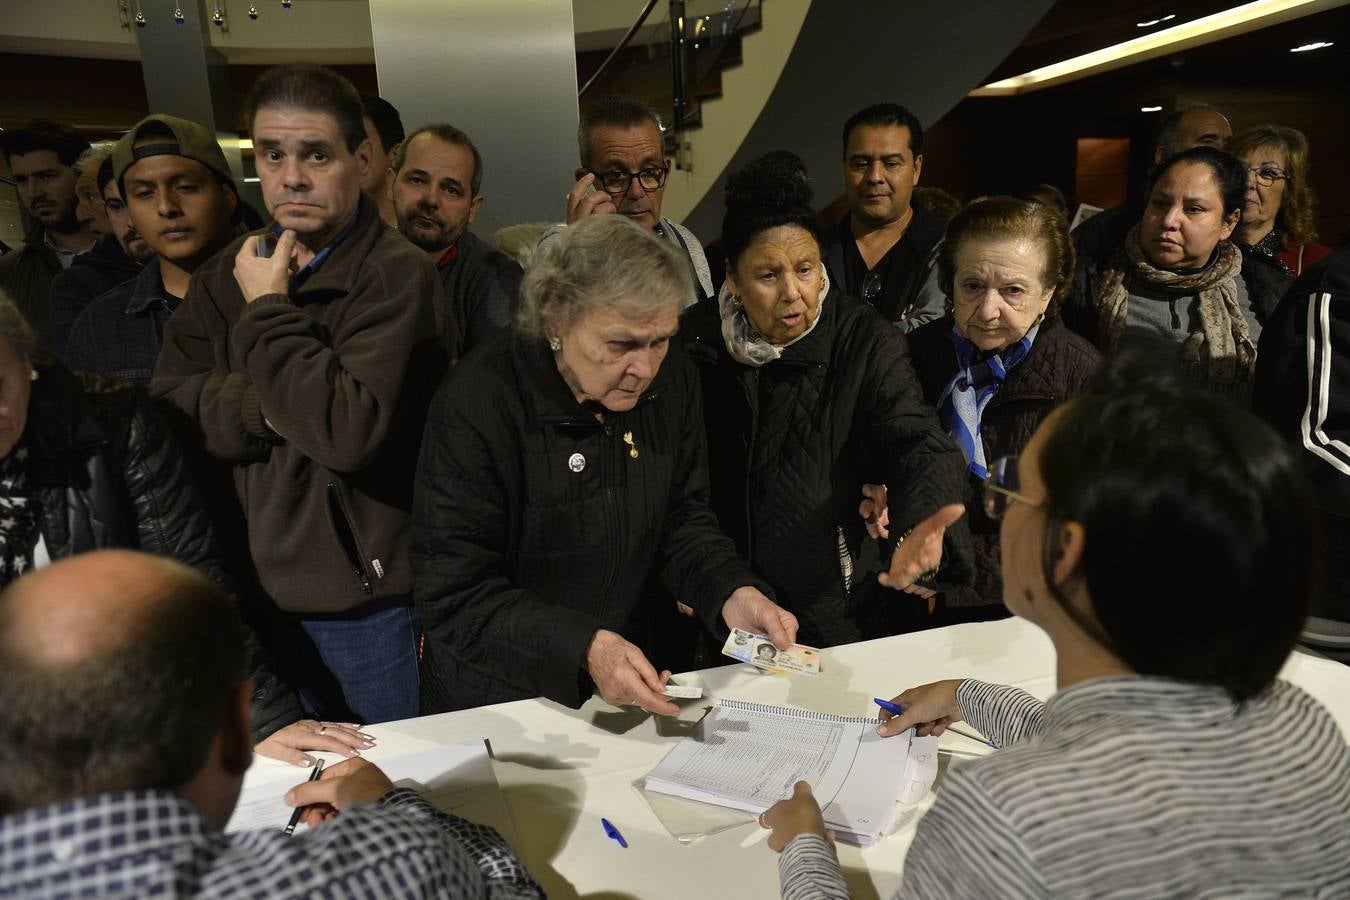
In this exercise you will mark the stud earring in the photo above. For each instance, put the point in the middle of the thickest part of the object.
(554, 344)
(32, 375)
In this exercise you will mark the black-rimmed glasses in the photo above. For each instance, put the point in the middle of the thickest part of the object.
(1000, 488)
(1267, 175)
(652, 178)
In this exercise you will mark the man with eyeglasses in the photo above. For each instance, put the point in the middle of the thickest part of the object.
(884, 251)
(623, 170)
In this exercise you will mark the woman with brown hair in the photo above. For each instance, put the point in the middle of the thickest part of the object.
(1279, 212)
(999, 361)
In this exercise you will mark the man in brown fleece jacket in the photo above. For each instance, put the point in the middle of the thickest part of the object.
(307, 356)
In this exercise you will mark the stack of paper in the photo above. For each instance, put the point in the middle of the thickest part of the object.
(748, 756)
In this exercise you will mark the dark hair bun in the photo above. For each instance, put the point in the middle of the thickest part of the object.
(767, 185)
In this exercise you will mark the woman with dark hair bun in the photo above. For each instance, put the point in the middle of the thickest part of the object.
(808, 394)
(1178, 291)
(999, 361)
(1163, 540)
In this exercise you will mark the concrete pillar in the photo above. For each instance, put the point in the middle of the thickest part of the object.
(502, 70)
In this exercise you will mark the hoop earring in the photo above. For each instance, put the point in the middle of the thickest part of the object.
(554, 344)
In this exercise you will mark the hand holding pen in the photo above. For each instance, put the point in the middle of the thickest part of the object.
(929, 709)
(338, 787)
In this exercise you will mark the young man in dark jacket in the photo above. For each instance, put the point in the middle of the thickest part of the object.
(182, 200)
(307, 356)
(41, 157)
(115, 259)
(434, 183)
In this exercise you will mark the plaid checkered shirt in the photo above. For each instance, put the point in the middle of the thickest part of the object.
(153, 843)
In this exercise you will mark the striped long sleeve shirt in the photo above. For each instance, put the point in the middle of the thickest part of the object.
(1127, 787)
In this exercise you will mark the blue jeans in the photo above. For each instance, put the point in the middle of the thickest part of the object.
(373, 658)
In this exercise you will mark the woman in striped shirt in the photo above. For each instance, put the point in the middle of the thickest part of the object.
(1163, 540)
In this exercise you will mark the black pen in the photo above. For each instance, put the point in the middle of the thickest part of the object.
(295, 816)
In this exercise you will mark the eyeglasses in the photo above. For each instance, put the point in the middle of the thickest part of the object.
(871, 287)
(1267, 175)
(1000, 488)
(617, 183)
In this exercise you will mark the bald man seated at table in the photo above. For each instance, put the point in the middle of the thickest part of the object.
(125, 712)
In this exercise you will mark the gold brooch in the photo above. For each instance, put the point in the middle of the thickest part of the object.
(632, 447)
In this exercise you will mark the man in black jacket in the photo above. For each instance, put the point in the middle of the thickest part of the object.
(1303, 390)
(884, 251)
(182, 201)
(434, 184)
(41, 157)
(116, 258)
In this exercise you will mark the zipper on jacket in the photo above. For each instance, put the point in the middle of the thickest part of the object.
(346, 536)
(752, 401)
(607, 472)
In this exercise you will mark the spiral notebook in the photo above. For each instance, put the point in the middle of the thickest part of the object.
(748, 756)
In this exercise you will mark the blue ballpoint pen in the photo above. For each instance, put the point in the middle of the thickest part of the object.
(896, 709)
(613, 833)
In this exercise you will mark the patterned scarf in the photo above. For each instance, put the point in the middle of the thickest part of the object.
(961, 406)
(744, 343)
(1221, 342)
(18, 516)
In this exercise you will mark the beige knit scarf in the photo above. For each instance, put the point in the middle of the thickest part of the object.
(1221, 343)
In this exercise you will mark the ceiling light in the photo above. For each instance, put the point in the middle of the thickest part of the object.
(1151, 22)
(1316, 45)
(1150, 109)
(1240, 19)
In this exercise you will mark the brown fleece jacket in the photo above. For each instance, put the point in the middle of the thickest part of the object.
(343, 370)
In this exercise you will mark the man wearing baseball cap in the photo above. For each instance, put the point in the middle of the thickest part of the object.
(181, 199)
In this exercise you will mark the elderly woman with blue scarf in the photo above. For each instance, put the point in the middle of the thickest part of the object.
(1000, 360)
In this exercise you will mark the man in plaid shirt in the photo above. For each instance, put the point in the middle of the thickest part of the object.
(126, 719)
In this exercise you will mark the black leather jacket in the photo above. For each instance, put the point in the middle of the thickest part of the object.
(107, 473)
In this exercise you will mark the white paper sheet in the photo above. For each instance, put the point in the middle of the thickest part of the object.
(454, 778)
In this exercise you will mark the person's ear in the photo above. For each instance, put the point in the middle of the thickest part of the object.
(731, 278)
(918, 167)
(1159, 155)
(365, 158)
(1230, 222)
(1072, 543)
(474, 206)
(579, 173)
(236, 730)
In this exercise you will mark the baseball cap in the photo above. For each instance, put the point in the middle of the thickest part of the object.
(184, 138)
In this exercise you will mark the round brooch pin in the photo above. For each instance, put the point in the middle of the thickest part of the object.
(576, 462)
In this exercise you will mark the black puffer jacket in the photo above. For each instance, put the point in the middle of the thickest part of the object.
(791, 444)
(534, 526)
(1059, 366)
(108, 474)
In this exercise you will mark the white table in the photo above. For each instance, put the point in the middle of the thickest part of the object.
(561, 770)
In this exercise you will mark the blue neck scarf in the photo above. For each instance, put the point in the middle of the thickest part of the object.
(963, 400)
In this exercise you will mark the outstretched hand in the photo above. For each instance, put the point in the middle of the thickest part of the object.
(749, 610)
(920, 552)
(624, 677)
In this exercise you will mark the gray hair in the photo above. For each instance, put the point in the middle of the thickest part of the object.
(601, 262)
(15, 330)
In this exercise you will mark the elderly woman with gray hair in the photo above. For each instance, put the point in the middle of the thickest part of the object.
(562, 471)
